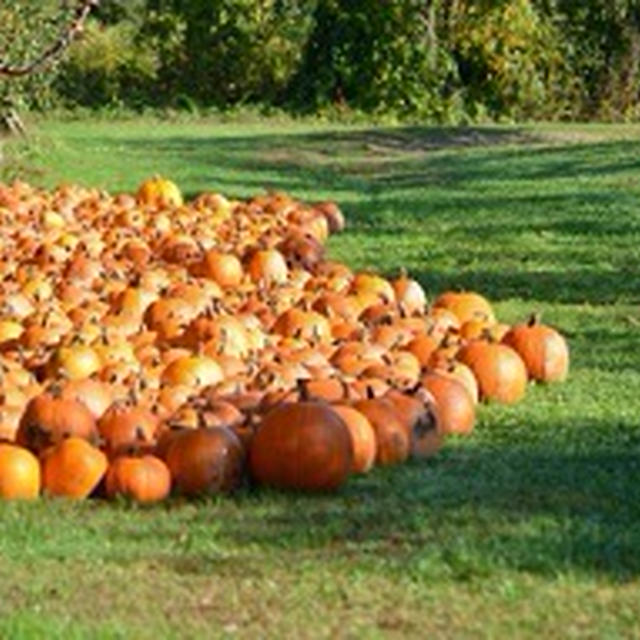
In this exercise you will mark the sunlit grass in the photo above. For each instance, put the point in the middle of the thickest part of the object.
(530, 527)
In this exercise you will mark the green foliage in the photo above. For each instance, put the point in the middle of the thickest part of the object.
(26, 29)
(602, 48)
(376, 57)
(109, 65)
(510, 59)
(443, 60)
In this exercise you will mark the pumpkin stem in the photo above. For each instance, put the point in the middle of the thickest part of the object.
(303, 390)
(534, 319)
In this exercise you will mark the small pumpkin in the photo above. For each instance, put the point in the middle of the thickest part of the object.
(124, 425)
(141, 478)
(543, 349)
(419, 412)
(159, 192)
(19, 473)
(466, 305)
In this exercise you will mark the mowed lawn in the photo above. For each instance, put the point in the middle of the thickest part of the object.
(529, 528)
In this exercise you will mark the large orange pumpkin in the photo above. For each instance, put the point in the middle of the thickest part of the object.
(302, 445)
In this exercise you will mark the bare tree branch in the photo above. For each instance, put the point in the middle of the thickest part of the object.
(74, 27)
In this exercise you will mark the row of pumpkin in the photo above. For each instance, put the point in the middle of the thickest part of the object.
(148, 344)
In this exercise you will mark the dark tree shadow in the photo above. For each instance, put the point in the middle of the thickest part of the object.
(470, 510)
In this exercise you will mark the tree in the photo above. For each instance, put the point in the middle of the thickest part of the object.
(33, 37)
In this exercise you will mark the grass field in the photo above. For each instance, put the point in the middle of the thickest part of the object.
(529, 528)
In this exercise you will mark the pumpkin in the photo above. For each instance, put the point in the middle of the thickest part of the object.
(420, 416)
(392, 435)
(72, 468)
(205, 460)
(363, 437)
(224, 268)
(49, 418)
(456, 408)
(125, 425)
(192, 371)
(140, 478)
(267, 266)
(19, 473)
(466, 305)
(500, 371)
(410, 295)
(302, 445)
(544, 351)
(159, 192)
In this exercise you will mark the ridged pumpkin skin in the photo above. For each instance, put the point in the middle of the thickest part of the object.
(392, 436)
(544, 351)
(466, 305)
(19, 473)
(456, 408)
(363, 437)
(302, 445)
(73, 468)
(500, 371)
(143, 479)
(208, 460)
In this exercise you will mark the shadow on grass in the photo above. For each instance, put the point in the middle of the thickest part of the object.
(468, 513)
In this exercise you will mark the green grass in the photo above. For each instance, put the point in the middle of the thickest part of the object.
(530, 527)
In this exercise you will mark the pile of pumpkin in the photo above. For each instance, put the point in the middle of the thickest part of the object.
(148, 345)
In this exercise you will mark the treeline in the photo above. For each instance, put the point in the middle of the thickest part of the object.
(445, 60)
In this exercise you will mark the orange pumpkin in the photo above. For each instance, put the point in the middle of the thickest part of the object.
(544, 351)
(159, 192)
(420, 416)
(73, 468)
(500, 371)
(141, 478)
(392, 436)
(466, 305)
(48, 418)
(455, 405)
(206, 460)
(124, 426)
(19, 473)
(363, 437)
(302, 445)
